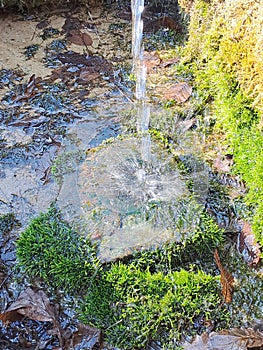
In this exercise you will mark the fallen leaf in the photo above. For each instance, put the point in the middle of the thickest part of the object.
(71, 23)
(78, 38)
(234, 339)
(152, 25)
(30, 89)
(86, 337)
(151, 59)
(33, 121)
(43, 24)
(226, 279)
(98, 63)
(223, 164)
(170, 23)
(34, 305)
(247, 245)
(179, 92)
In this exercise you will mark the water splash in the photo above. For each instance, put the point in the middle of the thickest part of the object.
(133, 202)
(131, 193)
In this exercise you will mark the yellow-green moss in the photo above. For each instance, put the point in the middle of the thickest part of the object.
(230, 35)
(225, 54)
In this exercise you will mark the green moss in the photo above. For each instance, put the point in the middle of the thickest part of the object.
(148, 296)
(228, 79)
(195, 252)
(149, 306)
(51, 250)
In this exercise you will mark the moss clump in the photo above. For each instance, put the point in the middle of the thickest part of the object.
(195, 251)
(148, 306)
(51, 250)
(227, 67)
(147, 297)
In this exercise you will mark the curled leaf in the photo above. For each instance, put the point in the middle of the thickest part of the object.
(34, 305)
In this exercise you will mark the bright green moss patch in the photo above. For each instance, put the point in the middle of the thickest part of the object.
(51, 250)
(149, 306)
(153, 295)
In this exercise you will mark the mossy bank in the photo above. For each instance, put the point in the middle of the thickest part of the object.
(224, 55)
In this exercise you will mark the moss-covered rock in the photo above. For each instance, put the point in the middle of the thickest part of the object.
(148, 306)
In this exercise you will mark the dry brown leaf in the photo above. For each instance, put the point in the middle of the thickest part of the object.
(151, 59)
(226, 279)
(223, 164)
(34, 305)
(43, 24)
(30, 89)
(179, 92)
(247, 245)
(234, 339)
(86, 337)
(78, 38)
(168, 22)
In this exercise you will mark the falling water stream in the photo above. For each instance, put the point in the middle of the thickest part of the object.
(129, 194)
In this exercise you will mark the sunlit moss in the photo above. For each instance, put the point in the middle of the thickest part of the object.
(227, 66)
(149, 306)
(231, 42)
(155, 294)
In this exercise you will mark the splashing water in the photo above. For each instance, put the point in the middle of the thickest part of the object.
(130, 192)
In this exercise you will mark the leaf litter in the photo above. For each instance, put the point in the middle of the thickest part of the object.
(247, 245)
(36, 306)
(226, 279)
